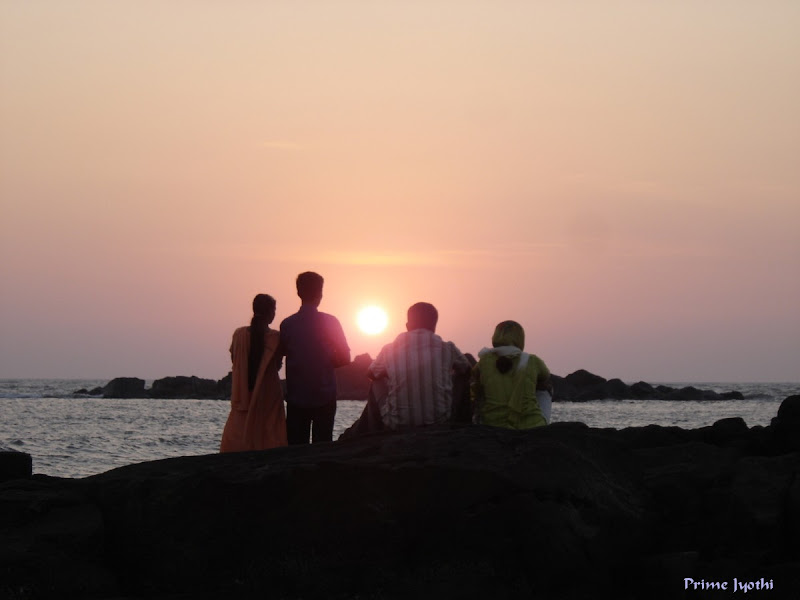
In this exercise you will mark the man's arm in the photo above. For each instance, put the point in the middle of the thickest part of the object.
(283, 336)
(378, 367)
(280, 352)
(341, 351)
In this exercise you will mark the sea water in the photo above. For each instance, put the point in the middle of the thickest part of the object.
(72, 435)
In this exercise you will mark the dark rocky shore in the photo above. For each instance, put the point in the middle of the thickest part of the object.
(563, 511)
(352, 384)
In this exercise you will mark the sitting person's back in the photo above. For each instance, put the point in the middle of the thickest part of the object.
(417, 372)
(505, 381)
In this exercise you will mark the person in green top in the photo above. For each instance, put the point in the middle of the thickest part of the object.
(505, 381)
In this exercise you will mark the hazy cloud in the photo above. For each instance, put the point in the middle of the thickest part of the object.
(281, 145)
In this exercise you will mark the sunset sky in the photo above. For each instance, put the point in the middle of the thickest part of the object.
(621, 177)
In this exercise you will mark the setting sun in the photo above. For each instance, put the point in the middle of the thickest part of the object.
(372, 320)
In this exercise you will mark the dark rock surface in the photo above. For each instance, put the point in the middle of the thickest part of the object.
(187, 387)
(125, 387)
(786, 426)
(96, 391)
(15, 465)
(582, 386)
(178, 387)
(352, 382)
(563, 511)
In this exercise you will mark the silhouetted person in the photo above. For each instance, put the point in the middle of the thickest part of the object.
(257, 420)
(505, 382)
(413, 378)
(314, 345)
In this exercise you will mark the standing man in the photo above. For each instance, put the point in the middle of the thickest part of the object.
(314, 345)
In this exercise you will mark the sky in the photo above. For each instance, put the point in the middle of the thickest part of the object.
(621, 177)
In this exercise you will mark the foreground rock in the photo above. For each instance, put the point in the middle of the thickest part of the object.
(14, 465)
(560, 512)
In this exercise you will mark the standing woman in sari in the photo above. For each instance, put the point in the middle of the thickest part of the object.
(257, 420)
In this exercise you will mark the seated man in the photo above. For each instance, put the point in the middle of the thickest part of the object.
(413, 378)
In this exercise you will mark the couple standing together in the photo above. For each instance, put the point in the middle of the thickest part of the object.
(313, 344)
(418, 379)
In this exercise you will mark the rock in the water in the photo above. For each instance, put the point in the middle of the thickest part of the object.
(353, 384)
(583, 378)
(786, 426)
(186, 387)
(351, 380)
(224, 385)
(125, 387)
(582, 386)
(96, 391)
(642, 390)
(789, 411)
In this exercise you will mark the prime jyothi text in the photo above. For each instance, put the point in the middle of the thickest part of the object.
(734, 586)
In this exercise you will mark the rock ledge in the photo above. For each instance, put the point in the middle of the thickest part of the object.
(564, 511)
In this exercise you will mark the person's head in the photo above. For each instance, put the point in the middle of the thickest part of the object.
(422, 316)
(509, 333)
(309, 287)
(264, 306)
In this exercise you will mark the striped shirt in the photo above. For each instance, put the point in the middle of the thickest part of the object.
(418, 367)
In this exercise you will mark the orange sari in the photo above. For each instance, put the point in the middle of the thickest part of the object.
(257, 420)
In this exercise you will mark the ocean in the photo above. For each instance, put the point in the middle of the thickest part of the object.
(79, 436)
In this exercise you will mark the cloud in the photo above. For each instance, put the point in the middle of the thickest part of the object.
(472, 257)
(281, 145)
(491, 256)
(388, 259)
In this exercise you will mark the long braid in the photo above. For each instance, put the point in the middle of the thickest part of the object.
(263, 312)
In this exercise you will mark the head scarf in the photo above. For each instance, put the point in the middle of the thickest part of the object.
(509, 333)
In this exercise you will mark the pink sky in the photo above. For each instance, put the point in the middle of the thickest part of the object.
(622, 178)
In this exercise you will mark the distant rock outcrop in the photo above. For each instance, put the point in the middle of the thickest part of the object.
(352, 382)
(582, 386)
(188, 387)
(125, 387)
(786, 426)
(563, 511)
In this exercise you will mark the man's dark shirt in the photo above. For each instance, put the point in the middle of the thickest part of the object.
(314, 345)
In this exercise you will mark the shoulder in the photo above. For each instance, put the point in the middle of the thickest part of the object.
(240, 338)
(536, 363)
(401, 341)
(329, 319)
(288, 321)
(455, 350)
(290, 318)
(454, 347)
